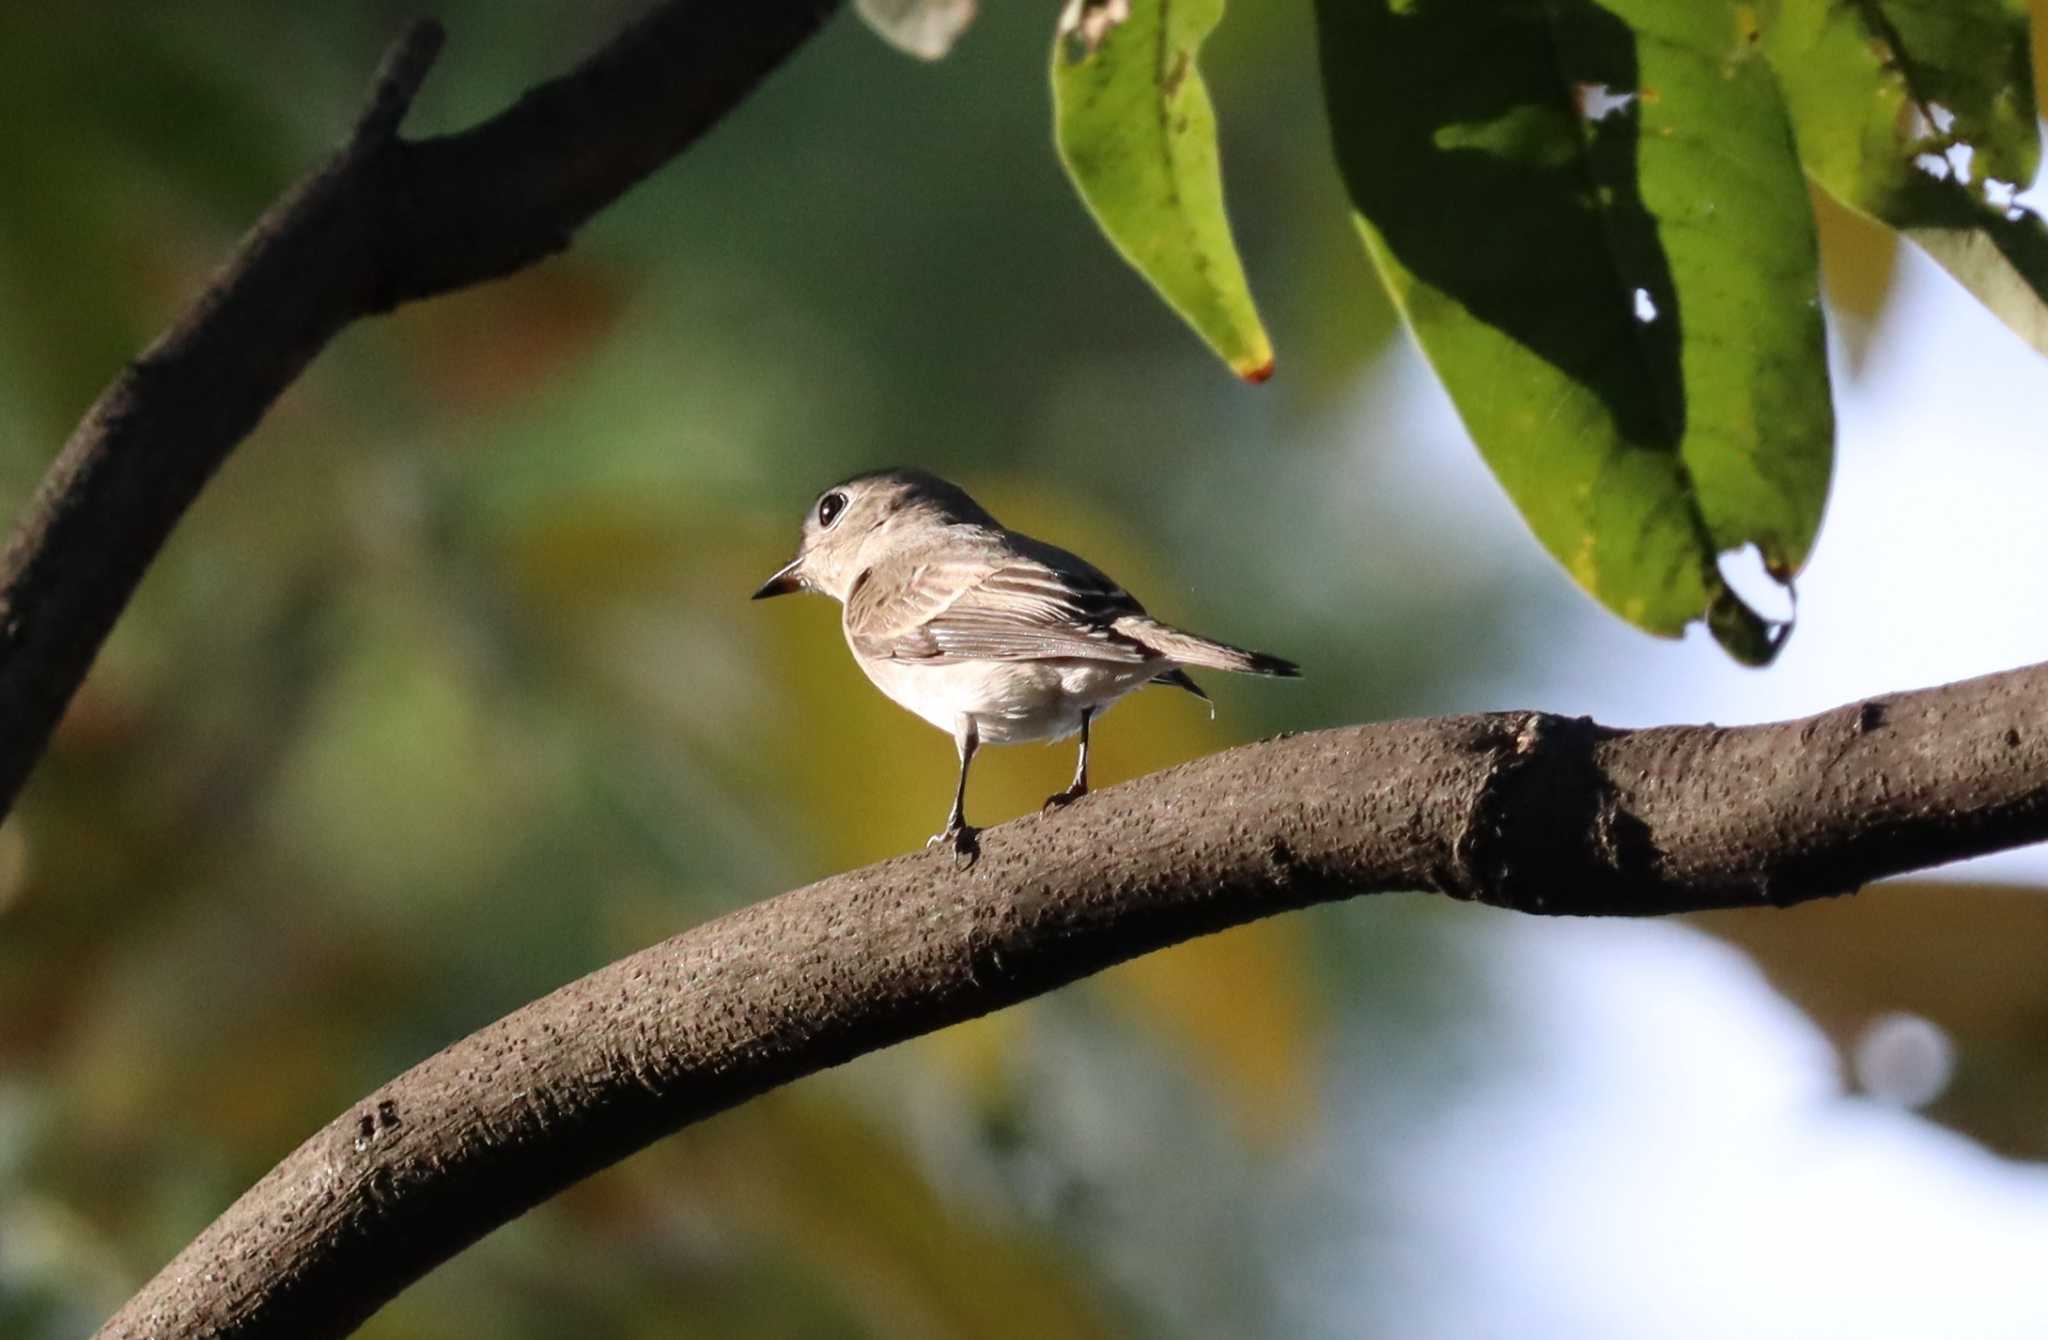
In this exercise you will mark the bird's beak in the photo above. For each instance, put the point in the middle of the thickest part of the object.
(783, 582)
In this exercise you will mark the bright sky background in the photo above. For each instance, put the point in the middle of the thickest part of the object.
(1730, 1187)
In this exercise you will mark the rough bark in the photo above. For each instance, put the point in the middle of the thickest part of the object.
(1525, 811)
(384, 221)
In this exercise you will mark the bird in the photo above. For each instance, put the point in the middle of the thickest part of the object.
(988, 634)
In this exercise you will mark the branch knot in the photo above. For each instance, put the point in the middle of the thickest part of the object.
(1546, 826)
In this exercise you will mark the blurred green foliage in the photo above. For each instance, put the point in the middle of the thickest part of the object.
(448, 691)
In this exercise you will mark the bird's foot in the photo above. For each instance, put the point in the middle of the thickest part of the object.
(963, 839)
(1064, 798)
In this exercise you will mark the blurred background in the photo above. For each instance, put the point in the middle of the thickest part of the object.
(448, 691)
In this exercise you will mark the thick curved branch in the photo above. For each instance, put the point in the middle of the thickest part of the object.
(386, 220)
(1527, 811)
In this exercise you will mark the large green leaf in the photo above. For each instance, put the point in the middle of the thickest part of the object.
(1885, 94)
(1138, 136)
(1595, 223)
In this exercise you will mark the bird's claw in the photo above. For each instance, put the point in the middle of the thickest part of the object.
(963, 839)
(1063, 799)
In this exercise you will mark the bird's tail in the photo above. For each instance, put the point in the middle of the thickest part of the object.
(1200, 652)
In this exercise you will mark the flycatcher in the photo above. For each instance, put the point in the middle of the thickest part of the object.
(985, 633)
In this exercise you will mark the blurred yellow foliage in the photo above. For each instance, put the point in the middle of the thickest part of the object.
(1235, 1008)
(823, 1183)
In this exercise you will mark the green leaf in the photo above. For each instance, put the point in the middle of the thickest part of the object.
(2000, 257)
(1138, 137)
(1885, 96)
(1594, 221)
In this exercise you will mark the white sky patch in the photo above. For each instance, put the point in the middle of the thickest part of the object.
(1597, 102)
(1934, 165)
(1674, 1156)
(1744, 571)
(1903, 1059)
(1960, 159)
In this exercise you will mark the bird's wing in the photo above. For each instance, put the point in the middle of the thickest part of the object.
(1008, 606)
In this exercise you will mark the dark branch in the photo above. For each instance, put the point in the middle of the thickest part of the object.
(384, 221)
(395, 84)
(1527, 811)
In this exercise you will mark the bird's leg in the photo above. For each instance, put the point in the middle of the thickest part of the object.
(1079, 788)
(964, 840)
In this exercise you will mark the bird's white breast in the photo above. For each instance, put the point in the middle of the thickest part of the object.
(1009, 701)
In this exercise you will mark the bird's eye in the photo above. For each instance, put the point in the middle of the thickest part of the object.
(829, 508)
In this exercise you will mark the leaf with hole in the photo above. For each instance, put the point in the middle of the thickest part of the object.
(1137, 135)
(1920, 113)
(1593, 220)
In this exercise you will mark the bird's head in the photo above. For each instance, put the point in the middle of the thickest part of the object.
(847, 526)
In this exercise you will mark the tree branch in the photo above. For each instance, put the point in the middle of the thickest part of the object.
(384, 221)
(1525, 811)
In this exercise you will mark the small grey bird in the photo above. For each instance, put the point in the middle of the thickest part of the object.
(991, 635)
